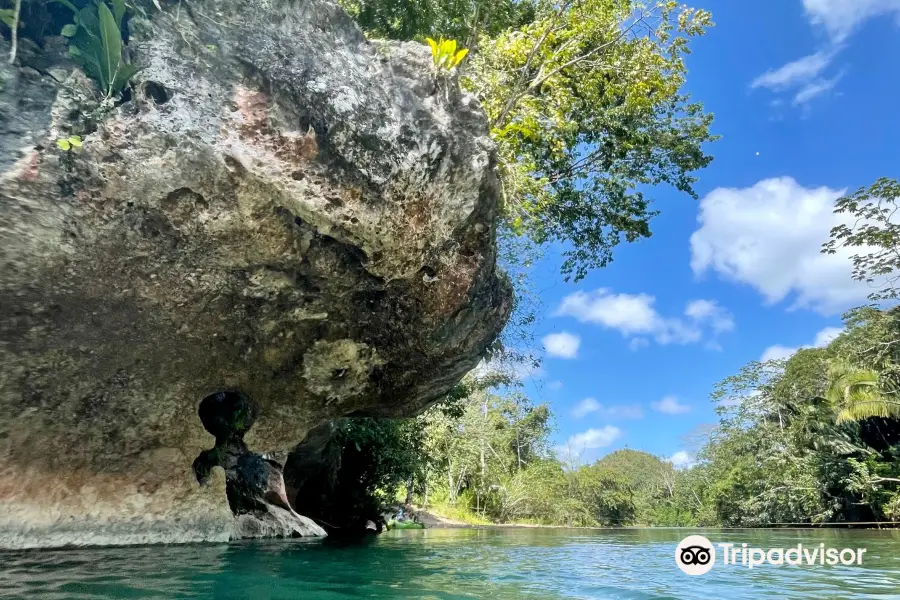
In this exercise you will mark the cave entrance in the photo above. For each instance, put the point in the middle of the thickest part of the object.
(251, 481)
(254, 484)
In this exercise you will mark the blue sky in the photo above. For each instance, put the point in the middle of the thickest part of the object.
(805, 94)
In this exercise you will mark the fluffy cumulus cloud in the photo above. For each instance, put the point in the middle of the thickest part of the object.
(594, 438)
(562, 345)
(592, 406)
(635, 317)
(822, 339)
(682, 460)
(770, 236)
(671, 406)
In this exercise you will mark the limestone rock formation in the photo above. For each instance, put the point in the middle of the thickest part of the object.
(278, 210)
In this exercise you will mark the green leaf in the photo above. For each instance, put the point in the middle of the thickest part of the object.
(97, 46)
(123, 76)
(69, 30)
(459, 56)
(448, 47)
(118, 12)
(8, 16)
(86, 55)
(63, 144)
(112, 47)
(75, 141)
(89, 22)
(435, 50)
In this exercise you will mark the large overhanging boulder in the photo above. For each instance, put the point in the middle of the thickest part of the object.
(283, 222)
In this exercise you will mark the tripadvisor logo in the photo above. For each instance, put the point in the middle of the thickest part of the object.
(696, 555)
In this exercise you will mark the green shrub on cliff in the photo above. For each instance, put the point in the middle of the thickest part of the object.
(95, 36)
(95, 43)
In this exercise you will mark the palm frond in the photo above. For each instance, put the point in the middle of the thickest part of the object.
(865, 409)
(855, 394)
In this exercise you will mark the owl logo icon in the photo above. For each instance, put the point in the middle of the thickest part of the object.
(695, 555)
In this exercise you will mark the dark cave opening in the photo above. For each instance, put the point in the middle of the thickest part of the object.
(251, 480)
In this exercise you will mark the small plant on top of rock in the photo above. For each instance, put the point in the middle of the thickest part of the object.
(95, 43)
(445, 55)
(66, 144)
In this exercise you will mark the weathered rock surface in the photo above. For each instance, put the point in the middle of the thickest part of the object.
(279, 209)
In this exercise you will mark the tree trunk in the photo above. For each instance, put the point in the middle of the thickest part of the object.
(483, 443)
(518, 450)
(451, 488)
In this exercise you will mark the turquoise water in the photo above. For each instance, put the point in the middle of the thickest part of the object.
(453, 563)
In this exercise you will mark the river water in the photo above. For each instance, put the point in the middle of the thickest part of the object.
(455, 563)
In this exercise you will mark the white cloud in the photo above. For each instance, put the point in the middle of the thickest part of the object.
(777, 352)
(805, 76)
(619, 411)
(562, 345)
(634, 316)
(629, 313)
(710, 312)
(637, 343)
(713, 346)
(682, 460)
(822, 339)
(585, 407)
(826, 336)
(799, 71)
(671, 406)
(770, 236)
(816, 88)
(555, 385)
(841, 17)
(594, 438)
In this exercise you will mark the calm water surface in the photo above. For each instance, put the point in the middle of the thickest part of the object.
(453, 563)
